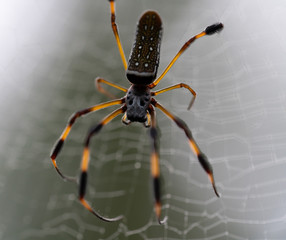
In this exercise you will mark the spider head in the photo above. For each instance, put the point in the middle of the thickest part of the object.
(138, 99)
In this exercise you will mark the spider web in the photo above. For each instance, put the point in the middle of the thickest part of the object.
(50, 53)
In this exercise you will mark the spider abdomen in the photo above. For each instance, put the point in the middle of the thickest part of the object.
(144, 58)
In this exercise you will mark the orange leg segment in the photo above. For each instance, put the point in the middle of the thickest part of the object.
(195, 148)
(85, 164)
(180, 85)
(59, 144)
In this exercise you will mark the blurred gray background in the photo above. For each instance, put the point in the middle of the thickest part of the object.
(51, 52)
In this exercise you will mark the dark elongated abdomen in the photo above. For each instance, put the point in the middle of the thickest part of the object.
(145, 54)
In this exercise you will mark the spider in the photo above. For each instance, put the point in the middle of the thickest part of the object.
(138, 104)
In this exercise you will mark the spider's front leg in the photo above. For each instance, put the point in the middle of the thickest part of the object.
(155, 165)
(59, 144)
(85, 164)
(194, 146)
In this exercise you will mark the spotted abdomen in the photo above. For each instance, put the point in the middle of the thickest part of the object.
(145, 54)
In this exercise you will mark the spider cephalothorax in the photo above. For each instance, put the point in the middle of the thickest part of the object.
(138, 99)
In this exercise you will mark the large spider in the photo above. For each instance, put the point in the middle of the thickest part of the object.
(138, 104)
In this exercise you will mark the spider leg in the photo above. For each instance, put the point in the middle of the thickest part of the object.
(155, 166)
(85, 163)
(98, 82)
(59, 144)
(180, 85)
(195, 148)
(208, 31)
(115, 31)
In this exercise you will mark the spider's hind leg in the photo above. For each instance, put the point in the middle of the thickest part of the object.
(116, 34)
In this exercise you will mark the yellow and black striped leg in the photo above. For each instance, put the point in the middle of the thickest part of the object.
(59, 144)
(180, 85)
(99, 81)
(85, 163)
(195, 148)
(208, 31)
(116, 34)
(155, 166)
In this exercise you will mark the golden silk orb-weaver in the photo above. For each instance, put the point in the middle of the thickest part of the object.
(138, 104)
